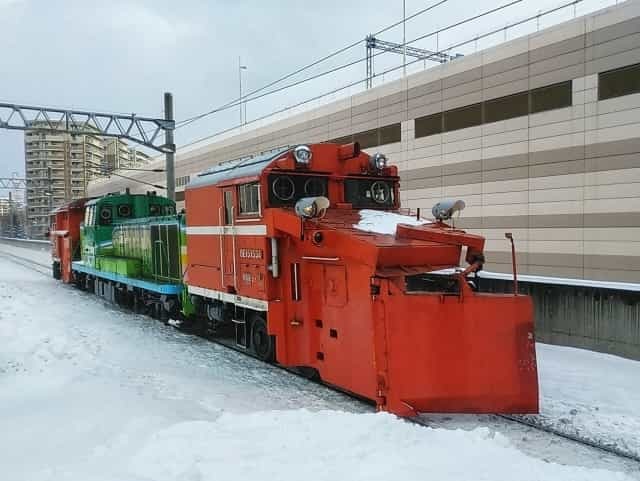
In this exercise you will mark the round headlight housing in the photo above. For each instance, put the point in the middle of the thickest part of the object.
(378, 161)
(302, 154)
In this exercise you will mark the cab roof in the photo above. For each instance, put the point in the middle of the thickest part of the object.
(235, 169)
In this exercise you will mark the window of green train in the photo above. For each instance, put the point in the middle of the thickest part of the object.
(155, 209)
(619, 82)
(92, 216)
(504, 108)
(428, 125)
(168, 210)
(463, 117)
(249, 195)
(552, 97)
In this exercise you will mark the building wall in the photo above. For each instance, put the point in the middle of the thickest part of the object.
(57, 169)
(564, 180)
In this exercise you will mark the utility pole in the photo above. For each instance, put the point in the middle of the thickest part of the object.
(240, 69)
(12, 231)
(49, 189)
(169, 141)
(404, 38)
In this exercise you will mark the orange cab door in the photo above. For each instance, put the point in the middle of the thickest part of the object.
(227, 238)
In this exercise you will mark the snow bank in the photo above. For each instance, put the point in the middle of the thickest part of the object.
(591, 394)
(40, 253)
(330, 445)
(382, 222)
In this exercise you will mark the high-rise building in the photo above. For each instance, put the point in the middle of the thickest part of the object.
(5, 207)
(119, 155)
(116, 154)
(58, 167)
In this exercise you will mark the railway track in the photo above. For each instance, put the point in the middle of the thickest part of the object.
(522, 420)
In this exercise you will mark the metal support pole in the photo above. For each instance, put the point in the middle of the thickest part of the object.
(169, 141)
(404, 38)
(50, 189)
(509, 236)
(12, 229)
(240, 69)
(240, 85)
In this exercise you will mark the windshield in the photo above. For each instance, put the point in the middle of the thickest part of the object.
(371, 193)
(287, 189)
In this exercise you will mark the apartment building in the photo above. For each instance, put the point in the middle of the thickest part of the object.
(58, 167)
(119, 155)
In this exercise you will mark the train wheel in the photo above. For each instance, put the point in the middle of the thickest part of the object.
(261, 341)
(57, 271)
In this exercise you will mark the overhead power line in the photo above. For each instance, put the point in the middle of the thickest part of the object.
(393, 69)
(249, 96)
(246, 97)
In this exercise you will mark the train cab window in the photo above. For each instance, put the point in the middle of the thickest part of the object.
(228, 207)
(168, 210)
(369, 193)
(289, 189)
(106, 215)
(249, 195)
(315, 186)
(155, 209)
(124, 210)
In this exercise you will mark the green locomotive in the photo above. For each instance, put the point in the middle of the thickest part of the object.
(133, 251)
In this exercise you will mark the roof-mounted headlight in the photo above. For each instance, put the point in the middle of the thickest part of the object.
(378, 161)
(302, 154)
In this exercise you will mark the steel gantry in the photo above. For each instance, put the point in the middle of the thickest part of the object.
(145, 131)
(12, 183)
(373, 43)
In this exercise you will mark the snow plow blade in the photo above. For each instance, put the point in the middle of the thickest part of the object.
(464, 353)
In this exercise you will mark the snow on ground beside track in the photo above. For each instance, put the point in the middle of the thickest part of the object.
(382, 222)
(40, 253)
(594, 394)
(331, 445)
(88, 392)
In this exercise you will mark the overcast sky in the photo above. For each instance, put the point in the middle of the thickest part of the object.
(120, 56)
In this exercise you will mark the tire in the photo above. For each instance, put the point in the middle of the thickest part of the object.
(262, 343)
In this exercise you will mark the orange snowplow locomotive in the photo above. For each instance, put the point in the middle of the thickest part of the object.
(275, 249)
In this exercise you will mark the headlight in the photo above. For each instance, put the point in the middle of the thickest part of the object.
(378, 161)
(302, 154)
(310, 207)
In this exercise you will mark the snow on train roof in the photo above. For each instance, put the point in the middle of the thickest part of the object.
(235, 168)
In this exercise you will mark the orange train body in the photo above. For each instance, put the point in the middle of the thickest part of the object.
(64, 234)
(360, 308)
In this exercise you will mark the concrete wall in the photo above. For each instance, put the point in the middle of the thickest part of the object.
(604, 320)
(565, 181)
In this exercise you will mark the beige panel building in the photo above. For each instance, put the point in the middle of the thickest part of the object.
(539, 135)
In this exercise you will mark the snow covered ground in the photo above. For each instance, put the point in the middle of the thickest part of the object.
(88, 392)
(592, 394)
